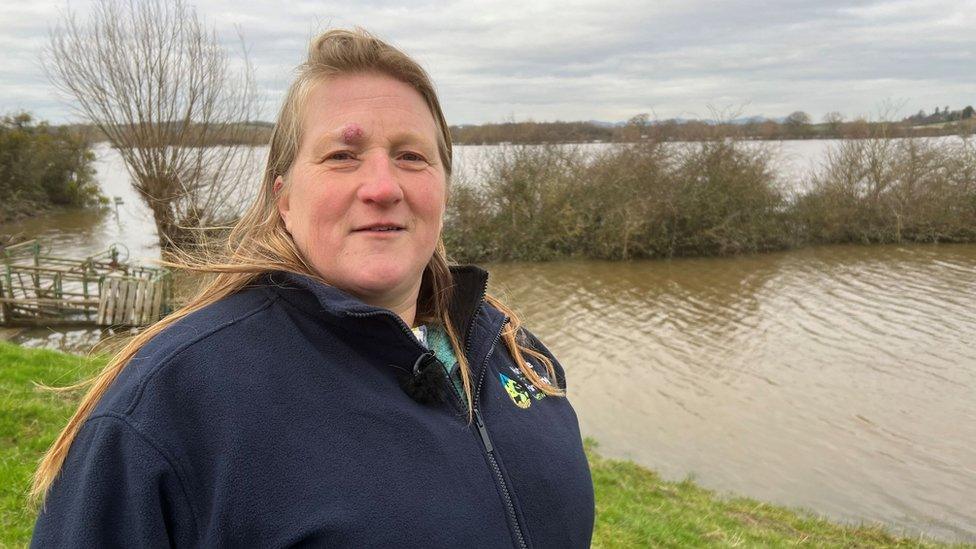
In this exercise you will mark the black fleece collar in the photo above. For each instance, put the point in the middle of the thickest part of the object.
(469, 287)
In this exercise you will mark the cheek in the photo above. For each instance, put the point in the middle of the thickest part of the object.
(433, 218)
(434, 202)
(322, 225)
(316, 213)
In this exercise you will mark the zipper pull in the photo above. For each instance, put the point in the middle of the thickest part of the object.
(480, 423)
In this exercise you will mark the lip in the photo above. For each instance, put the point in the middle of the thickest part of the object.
(375, 228)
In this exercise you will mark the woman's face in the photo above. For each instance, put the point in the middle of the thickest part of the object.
(365, 196)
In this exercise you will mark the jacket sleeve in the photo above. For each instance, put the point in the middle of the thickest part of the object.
(116, 489)
(534, 343)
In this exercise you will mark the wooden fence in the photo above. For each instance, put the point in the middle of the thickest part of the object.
(43, 290)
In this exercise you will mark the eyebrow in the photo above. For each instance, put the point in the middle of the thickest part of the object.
(349, 134)
(354, 134)
(411, 137)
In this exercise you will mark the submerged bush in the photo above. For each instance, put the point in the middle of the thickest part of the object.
(645, 200)
(728, 200)
(41, 166)
(518, 206)
(893, 190)
(709, 198)
(618, 203)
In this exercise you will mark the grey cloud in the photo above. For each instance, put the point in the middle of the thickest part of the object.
(601, 59)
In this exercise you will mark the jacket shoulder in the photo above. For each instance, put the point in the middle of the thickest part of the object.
(220, 322)
(138, 500)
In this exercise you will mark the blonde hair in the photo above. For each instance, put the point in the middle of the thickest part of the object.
(259, 244)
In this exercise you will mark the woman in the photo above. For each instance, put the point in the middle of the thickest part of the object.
(337, 383)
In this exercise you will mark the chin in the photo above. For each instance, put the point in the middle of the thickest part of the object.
(381, 278)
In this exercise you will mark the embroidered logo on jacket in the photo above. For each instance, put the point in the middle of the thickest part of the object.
(516, 391)
(533, 390)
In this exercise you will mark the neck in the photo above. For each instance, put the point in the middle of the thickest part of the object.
(403, 305)
(407, 312)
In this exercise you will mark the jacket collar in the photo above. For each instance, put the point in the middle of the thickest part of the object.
(470, 285)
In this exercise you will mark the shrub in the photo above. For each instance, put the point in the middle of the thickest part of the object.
(893, 190)
(517, 207)
(632, 201)
(621, 204)
(727, 201)
(42, 166)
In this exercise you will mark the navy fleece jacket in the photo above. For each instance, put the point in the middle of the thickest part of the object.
(276, 418)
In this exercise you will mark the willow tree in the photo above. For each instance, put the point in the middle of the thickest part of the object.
(158, 84)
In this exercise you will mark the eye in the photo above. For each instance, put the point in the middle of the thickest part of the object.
(412, 157)
(339, 156)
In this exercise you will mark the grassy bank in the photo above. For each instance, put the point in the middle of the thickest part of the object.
(30, 418)
(709, 198)
(635, 507)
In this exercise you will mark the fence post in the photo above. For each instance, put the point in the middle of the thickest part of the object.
(4, 306)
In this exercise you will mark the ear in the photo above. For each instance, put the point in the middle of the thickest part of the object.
(281, 200)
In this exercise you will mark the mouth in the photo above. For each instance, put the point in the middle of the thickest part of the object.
(379, 228)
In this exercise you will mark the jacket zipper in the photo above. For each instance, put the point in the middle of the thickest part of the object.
(490, 450)
(409, 333)
(479, 421)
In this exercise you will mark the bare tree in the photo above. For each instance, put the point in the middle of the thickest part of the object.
(833, 119)
(798, 119)
(156, 82)
(637, 127)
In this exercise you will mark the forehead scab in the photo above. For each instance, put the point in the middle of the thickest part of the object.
(352, 134)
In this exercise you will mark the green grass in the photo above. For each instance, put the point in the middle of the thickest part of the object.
(635, 507)
(30, 419)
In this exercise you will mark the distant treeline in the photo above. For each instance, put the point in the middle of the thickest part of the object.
(42, 166)
(251, 133)
(716, 197)
(941, 116)
(534, 132)
(797, 125)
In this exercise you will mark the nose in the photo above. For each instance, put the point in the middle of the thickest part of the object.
(380, 184)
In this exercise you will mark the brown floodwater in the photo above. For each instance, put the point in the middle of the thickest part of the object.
(840, 379)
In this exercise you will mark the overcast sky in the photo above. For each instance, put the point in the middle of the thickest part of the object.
(596, 60)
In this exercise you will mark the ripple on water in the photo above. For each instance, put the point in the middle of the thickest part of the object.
(838, 378)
